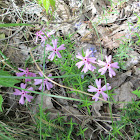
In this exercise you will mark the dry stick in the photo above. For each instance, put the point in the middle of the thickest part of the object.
(62, 85)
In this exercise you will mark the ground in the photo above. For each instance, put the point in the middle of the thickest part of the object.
(66, 110)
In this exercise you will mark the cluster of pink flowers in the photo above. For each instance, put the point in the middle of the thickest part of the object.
(43, 36)
(40, 82)
(87, 61)
(40, 34)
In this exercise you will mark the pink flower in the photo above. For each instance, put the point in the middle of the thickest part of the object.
(46, 83)
(86, 61)
(23, 93)
(54, 49)
(42, 35)
(99, 90)
(108, 65)
(26, 73)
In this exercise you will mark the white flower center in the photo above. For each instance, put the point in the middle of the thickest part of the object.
(54, 50)
(108, 65)
(23, 93)
(100, 90)
(85, 60)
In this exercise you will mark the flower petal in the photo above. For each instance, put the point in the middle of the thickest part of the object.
(92, 68)
(40, 74)
(51, 56)
(28, 97)
(101, 63)
(108, 59)
(115, 65)
(79, 56)
(40, 88)
(58, 54)
(103, 70)
(50, 33)
(22, 85)
(49, 85)
(61, 47)
(85, 68)
(49, 47)
(17, 92)
(31, 74)
(20, 74)
(92, 60)
(96, 97)
(21, 101)
(106, 87)
(91, 89)
(37, 81)
(54, 42)
(50, 75)
(79, 64)
(111, 72)
(98, 83)
(21, 69)
(88, 53)
(31, 88)
(27, 80)
(105, 96)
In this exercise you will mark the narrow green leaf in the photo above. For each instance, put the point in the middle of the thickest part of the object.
(1, 101)
(52, 3)
(5, 81)
(46, 4)
(14, 24)
(39, 2)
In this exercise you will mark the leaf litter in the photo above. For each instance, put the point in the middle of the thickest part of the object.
(106, 31)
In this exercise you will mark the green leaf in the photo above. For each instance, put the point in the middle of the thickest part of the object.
(14, 24)
(52, 3)
(46, 4)
(137, 92)
(6, 82)
(40, 2)
(2, 35)
(1, 101)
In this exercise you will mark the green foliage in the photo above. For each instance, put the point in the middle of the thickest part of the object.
(1, 101)
(137, 92)
(122, 54)
(56, 129)
(129, 122)
(47, 4)
(5, 81)
(14, 24)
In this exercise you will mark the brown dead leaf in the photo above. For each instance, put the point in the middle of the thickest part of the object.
(62, 10)
(96, 107)
(47, 103)
(124, 94)
(119, 79)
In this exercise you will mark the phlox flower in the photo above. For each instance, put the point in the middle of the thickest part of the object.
(23, 93)
(42, 35)
(46, 83)
(99, 90)
(86, 61)
(54, 49)
(26, 73)
(108, 65)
